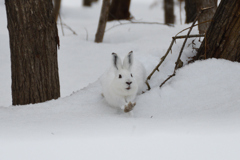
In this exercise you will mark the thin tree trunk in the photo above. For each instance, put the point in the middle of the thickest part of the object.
(169, 17)
(33, 44)
(102, 21)
(119, 9)
(223, 36)
(206, 15)
(191, 10)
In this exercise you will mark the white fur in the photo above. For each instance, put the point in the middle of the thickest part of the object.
(115, 90)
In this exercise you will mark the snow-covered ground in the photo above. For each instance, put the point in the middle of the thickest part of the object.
(195, 115)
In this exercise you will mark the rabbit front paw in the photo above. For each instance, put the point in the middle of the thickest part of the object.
(129, 107)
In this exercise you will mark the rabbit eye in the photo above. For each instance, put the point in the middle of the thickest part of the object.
(131, 75)
(120, 76)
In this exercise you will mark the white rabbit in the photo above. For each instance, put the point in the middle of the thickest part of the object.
(123, 81)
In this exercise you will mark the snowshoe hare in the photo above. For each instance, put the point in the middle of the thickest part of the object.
(123, 81)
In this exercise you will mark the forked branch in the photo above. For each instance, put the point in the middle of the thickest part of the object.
(166, 54)
(177, 63)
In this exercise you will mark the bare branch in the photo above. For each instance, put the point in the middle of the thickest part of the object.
(180, 53)
(132, 22)
(190, 36)
(166, 54)
(159, 64)
(177, 63)
(193, 26)
(167, 80)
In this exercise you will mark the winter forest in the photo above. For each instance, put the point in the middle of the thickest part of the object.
(120, 79)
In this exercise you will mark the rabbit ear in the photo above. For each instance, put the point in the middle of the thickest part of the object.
(128, 60)
(117, 63)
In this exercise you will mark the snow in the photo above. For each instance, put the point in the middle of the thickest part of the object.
(195, 115)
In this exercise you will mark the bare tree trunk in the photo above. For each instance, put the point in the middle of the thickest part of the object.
(102, 21)
(191, 10)
(169, 17)
(33, 44)
(223, 36)
(119, 9)
(87, 3)
(57, 5)
(206, 15)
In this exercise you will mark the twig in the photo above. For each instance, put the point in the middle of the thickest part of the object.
(159, 64)
(184, 43)
(178, 60)
(190, 36)
(193, 26)
(166, 54)
(61, 24)
(169, 49)
(167, 79)
(132, 22)
(65, 25)
(69, 28)
(115, 18)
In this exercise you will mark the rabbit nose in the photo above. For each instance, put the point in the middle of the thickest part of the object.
(129, 83)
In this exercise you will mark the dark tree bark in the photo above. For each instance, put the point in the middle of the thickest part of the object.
(33, 44)
(169, 17)
(102, 21)
(223, 36)
(119, 9)
(191, 10)
(87, 3)
(206, 15)
(57, 5)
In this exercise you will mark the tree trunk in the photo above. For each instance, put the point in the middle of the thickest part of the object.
(102, 21)
(191, 10)
(206, 15)
(87, 3)
(169, 17)
(33, 43)
(223, 35)
(119, 9)
(57, 5)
